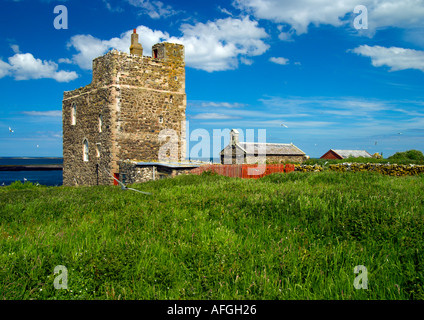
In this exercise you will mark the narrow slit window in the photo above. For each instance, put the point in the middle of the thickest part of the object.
(160, 119)
(74, 114)
(98, 147)
(85, 150)
(100, 123)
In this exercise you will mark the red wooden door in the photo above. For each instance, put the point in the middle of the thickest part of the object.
(116, 176)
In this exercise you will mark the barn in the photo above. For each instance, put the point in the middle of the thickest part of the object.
(344, 154)
(237, 152)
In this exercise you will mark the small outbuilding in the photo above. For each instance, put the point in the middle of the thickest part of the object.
(237, 152)
(344, 154)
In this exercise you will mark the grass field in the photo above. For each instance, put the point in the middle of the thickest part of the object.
(285, 236)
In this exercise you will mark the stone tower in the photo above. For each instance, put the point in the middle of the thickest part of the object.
(119, 116)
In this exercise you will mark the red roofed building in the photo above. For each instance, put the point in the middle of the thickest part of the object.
(344, 154)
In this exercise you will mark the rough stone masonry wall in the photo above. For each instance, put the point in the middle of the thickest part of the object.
(90, 104)
(131, 93)
(134, 174)
(152, 98)
(139, 174)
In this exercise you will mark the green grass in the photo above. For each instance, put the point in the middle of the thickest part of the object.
(285, 236)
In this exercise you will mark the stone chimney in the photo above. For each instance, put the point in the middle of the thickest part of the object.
(136, 47)
(234, 137)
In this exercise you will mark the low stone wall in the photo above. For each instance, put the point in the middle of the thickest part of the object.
(131, 172)
(307, 168)
(388, 169)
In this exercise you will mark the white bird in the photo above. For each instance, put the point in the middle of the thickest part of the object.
(284, 125)
(10, 130)
(25, 179)
(38, 146)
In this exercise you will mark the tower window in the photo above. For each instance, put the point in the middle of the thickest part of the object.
(100, 123)
(85, 150)
(160, 119)
(98, 146)
(74, 114)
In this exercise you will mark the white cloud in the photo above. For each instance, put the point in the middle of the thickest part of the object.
(319, 106)
(23, 66)
(15, 48)
(4, 69)
(246, 61)
(395, 58)
(279, 60)
(89, 47)
(222, 105)
(213, 46)
(52, 113)
(225, 11)
(65, 60)
(217, 45)
(300, 14)
(110, 8)
(394, 13)
(154, 9)
(210, 116)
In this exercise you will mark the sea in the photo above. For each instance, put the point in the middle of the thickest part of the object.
(47, 178)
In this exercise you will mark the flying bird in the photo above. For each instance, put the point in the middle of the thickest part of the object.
(283, 125)
(10, 130)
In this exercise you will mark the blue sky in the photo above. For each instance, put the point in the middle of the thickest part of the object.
(250, 64)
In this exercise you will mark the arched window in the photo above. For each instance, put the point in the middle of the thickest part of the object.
(85, 150)
(98, 146)
(74, 114)
(100, 123)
